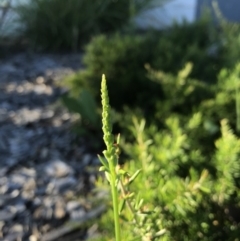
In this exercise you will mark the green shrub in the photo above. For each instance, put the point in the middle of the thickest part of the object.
(131, 61)
(124, 58)
(181, 93)
(198, 43)
(225, 103)
(60, 24)
(185, 96)
(188, 155)
(196, 204)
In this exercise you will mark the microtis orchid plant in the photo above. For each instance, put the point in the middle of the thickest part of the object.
(110, 162)
(114, 173)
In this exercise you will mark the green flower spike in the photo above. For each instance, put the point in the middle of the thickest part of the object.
(111, 155)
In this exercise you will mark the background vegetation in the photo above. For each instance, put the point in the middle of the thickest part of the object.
(67, 25)
(175, 99)
(176, 107)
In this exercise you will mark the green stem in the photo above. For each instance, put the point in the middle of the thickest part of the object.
(115, 201)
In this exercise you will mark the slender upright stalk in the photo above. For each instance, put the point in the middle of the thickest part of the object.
(114, 192)
(111, 155)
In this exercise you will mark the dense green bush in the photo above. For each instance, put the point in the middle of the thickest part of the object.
(185, 96)
(181, 93)
(188, 193)
(199, 43)
(60, 24)
(223, 105)
(192, 205)
(124, 59)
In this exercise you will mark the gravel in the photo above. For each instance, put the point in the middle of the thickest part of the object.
(44, 182)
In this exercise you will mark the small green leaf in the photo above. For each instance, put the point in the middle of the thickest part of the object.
(108, 176)
(116, 182)
(121, 172)
(103, 169)
(139, 204)
(105, 153)
(134, 176)
(130, 195)
(104, 162)
(204, 189)
(121, 205)
(118, 139)
(180, 210)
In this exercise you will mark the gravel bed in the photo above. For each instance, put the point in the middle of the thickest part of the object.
(44, 179)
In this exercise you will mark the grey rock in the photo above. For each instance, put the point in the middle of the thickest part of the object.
(1, 225)
(63, 184)
(29, 184)
(3, 116)
(12, 237)
(58, 168)
(4, 199)
(9, 160)
(33, 238)
(7, 69)
(37, 201)
(15, 193)
(26, 116)
(59, 209)
(20, 207)
(3, 172)
(72, 205)
(28, 195)
(86, 160)
(18, 228)
(28, 172)
(13, 185)
(45, 213)
(77, 214)
(16, 232)
(7, 214)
